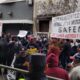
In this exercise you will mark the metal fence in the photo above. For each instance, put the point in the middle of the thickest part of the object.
(24, 71)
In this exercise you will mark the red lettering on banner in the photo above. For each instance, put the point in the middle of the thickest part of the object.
(66, 36)
(78, 35)
(61, 35)
(72, 36)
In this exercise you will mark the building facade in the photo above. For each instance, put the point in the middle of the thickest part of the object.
(16, 15)
(46, 9)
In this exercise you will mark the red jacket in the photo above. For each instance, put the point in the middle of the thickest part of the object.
(57, 72)
(53, 69)
(55, 50)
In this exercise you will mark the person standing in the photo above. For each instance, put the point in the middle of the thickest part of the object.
(65, 54)
(53, 69)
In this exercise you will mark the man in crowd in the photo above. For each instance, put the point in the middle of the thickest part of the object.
(65, 53)
(21, 62)
(75, 72)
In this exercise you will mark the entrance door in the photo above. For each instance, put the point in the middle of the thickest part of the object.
(44, 26)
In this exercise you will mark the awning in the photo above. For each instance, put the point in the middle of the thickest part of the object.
(17, 21)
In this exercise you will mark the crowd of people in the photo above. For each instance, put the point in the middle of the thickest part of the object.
(62, 55)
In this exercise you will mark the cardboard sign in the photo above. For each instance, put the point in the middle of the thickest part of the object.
(22, 33)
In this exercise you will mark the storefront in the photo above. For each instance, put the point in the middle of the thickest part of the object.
(13, 26)
(16, 15)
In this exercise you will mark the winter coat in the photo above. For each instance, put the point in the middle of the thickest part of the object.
(53, 69)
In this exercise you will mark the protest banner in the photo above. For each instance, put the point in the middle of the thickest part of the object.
(66, 27)
(68, 16)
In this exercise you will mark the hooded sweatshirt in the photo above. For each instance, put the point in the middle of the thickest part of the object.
(53, 69)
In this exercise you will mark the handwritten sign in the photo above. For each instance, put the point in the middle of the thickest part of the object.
(22, 33)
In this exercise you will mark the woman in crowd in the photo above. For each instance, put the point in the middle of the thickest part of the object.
(54, 48)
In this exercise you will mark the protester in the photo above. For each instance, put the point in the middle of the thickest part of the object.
(32, 42)
(37, 66)
(75, 73)
(12, 48)
(54, 49)
(53, 69)
(76, 60)
(65, 54)
(32, 46)
(3, 52)
(78, 51)
(25, 42)
(60, 53)
(76, 54)
(74, 45)
(21, 62)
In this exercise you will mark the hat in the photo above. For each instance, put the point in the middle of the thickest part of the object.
(52, 59)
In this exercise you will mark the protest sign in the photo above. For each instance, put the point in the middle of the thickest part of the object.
(22, 33)
(66, 27)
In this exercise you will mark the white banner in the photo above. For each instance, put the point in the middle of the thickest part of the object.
(66, 26)
(67, 16)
